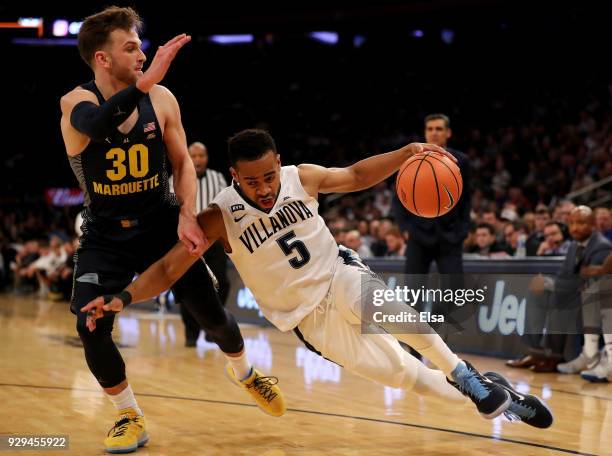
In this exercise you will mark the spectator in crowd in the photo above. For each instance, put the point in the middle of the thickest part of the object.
(396, 244)
(372, 235)
(541, 218)
(352, 240)
(512, 233)
(486, 243)
(60, 280)
(603, 221)
(52, 258)
(339, 235)
(379, 246)
(24, 277)
(556, 303)
(563, 210)
(556, 240)
(590, 248)
(491, 217)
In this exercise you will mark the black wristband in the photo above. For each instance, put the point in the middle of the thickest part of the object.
(125, 297)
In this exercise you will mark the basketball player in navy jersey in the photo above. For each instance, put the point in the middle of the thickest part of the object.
(120, 131)
(268, 223)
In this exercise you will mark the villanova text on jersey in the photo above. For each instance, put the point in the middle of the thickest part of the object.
(258, 232)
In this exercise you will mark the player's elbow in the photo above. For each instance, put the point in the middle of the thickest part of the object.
(359, 179)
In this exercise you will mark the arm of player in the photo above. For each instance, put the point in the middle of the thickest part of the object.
(363, 174)
(160, 276)
(83, 118)
(183, 175)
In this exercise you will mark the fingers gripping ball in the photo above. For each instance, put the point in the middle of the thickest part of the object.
(429, 185)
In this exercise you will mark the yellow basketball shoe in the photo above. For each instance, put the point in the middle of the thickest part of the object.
(128, 433)
(264, 390)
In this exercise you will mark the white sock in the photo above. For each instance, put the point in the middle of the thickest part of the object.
(125, 399)
(433, 383)
(240, 364)
(608, 341)
(432, 347)
(591, 344)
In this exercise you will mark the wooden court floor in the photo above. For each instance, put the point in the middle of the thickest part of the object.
(192, 409)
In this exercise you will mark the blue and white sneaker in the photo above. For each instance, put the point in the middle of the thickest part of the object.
(527, 408)
(490, 399)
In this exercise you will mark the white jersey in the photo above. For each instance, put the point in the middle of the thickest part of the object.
(285, 257)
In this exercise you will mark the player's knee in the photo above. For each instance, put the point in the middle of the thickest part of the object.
(101, 331)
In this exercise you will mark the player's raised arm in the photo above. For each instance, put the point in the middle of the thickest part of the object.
(363, 174)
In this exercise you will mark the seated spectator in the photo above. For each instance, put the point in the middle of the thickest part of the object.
(492, 219)
(556, 240)
(379, 246)
(24, 278)
(603, 222)
(60, 280)
(486, 243)
(562, 211)
(352, 240)
(512, 232)
(52, 258)
(396, 244)
(339, 235)
(541, 218)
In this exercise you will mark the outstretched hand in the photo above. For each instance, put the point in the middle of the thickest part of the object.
(161, 62)
(100, 307)
(421, 148)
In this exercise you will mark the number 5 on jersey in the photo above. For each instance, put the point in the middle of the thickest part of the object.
(287, 247)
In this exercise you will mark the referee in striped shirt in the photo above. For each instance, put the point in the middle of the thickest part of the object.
(210, 182)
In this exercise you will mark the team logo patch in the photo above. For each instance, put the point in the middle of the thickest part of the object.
(151, 136)
(236, 208)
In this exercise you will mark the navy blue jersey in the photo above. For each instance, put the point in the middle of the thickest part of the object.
(125, 176)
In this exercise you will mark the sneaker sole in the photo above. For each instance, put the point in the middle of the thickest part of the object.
(129, 449)
(595, 379)
(540, 401)
(121, 450)
(501, 409)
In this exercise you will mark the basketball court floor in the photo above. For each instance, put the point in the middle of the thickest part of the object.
(192, 409)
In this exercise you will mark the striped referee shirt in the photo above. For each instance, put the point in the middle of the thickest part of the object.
(207, 187)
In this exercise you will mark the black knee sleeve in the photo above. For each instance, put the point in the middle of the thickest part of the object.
(196, 292)
(103, 358)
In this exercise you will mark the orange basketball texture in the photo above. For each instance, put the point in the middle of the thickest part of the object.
(429, 185)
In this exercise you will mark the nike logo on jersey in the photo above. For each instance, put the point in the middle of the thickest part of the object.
(237, 219)
(286, 198)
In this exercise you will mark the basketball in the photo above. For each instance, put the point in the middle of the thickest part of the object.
(429, 185)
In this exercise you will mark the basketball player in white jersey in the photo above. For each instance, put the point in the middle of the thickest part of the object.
(268, 223)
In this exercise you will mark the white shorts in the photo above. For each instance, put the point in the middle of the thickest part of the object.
(334, 329)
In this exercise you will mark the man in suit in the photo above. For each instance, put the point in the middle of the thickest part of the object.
(595, 300)
(437, 239)
(559, 302)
